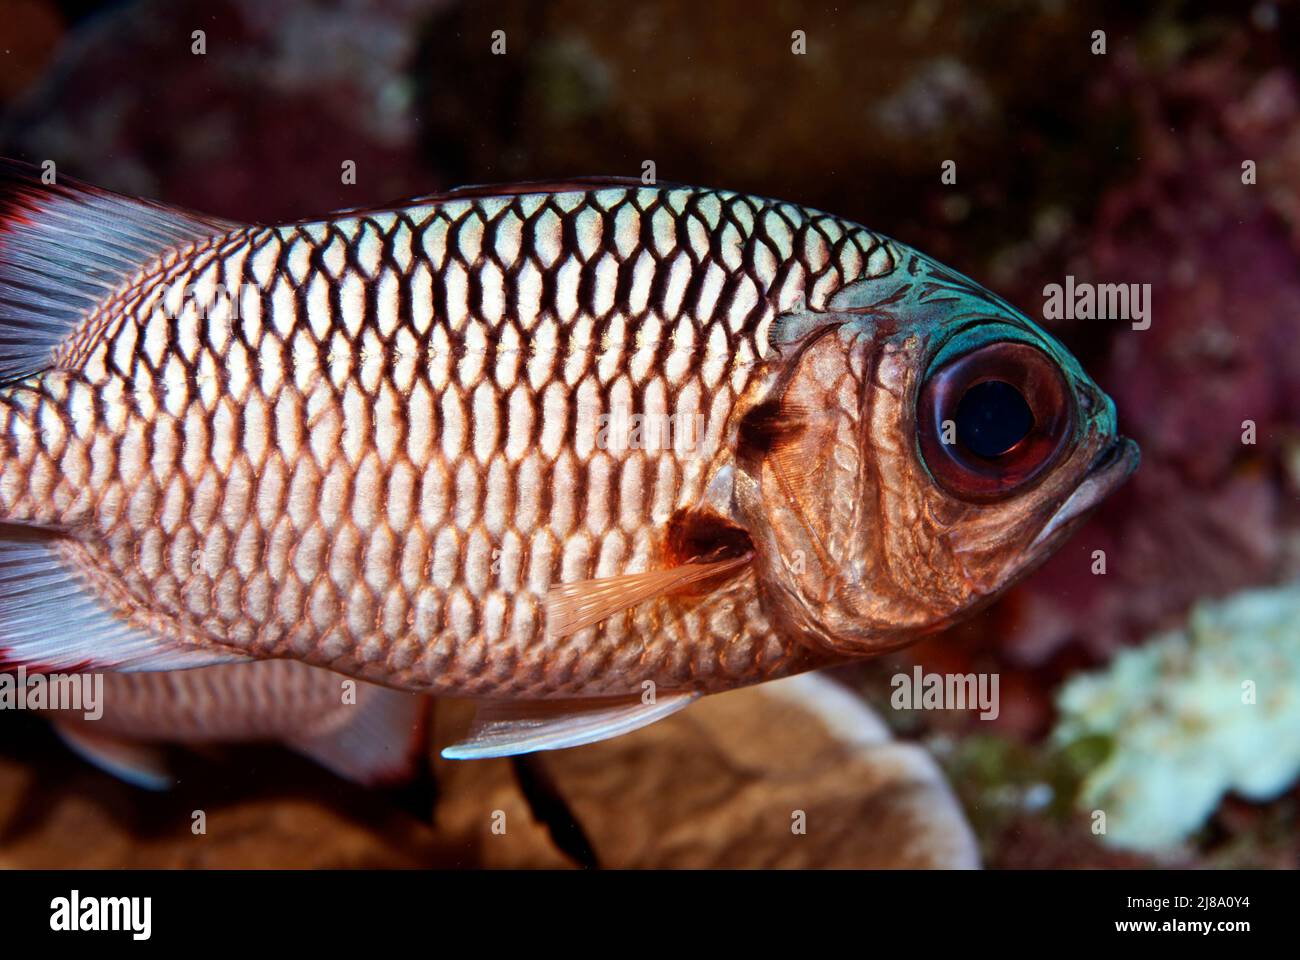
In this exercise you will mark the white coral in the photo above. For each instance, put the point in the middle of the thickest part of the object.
(1193, 714)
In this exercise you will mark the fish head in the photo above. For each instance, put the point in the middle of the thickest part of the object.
(921, 446)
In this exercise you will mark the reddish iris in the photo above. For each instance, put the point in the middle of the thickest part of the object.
(994, 420)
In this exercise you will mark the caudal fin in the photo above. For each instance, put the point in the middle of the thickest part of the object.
(64, 247)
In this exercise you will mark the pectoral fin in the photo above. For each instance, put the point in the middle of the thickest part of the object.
(506, 728)
(572, 606)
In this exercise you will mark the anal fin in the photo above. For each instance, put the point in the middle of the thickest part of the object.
(507, 728)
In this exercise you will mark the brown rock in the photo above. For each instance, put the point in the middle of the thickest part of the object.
(722, 784)
(481, 811)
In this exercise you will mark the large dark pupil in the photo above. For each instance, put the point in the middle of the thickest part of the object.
(992, 417)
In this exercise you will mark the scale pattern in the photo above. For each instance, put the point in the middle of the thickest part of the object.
(373, 443)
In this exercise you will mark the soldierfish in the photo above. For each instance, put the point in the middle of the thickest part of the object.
(369, 734)
(582, 451)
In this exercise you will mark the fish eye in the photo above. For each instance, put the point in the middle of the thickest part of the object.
(992, 416)
(992, 421)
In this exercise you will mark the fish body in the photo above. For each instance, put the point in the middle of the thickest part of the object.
(366, 733)
(405, 444)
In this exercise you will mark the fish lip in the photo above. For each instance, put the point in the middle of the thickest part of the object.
(1112, 466)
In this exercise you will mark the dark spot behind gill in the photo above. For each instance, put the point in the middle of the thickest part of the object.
(702, 536)
(762, 429)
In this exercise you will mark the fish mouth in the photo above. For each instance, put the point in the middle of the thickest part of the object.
(1108, 471)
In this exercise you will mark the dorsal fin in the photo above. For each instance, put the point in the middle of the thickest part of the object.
(483, 191)
(64, 247)
(526, 187)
